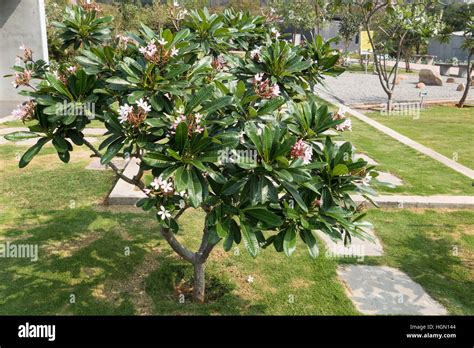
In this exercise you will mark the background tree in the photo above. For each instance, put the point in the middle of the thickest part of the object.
(241, 138)
(391, 24)
(349, 26)
(468, 45)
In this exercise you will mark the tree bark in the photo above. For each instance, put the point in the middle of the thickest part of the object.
(468, 81)
(199, 283)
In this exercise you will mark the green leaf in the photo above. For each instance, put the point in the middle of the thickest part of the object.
(18, 136)
(195, 189)
(250, 239)
(310, 241)
(181, 136)
(221, 229)
(340, 169)
(32, 152)
(112, 150)
(202, 95)
(294, 192)
(263, 214)
(289, 241)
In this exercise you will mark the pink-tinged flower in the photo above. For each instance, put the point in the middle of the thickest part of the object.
(163, 213)
(256, 53)
(23, 78)
(71, 69)
(302, 151)
(167, 187)
(157, 183)
(258, 77)
(25, 111)
(144, 105)
(198, 117)
(174, 52)
(317, 202)
(27, 53)
(276, 90)
(219, 62)
(263, 87)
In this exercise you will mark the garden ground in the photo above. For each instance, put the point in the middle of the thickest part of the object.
(83, 249)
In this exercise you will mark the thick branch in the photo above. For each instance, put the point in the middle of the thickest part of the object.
(177, 246)
(117, 171)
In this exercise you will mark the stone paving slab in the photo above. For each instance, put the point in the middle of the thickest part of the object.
(96, 165)
(124, 193)
(382, 290)
(389, 179)
(359, 247)
(401, 202)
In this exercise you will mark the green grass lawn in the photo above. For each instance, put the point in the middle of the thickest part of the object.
(446, 129)
(83, 251)
(435, 249)
(421, 174)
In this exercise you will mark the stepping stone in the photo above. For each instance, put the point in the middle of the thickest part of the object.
(387, 291)
(124, 193)
(96, 165)
(366, 158)
(389, 178)
(359, 247)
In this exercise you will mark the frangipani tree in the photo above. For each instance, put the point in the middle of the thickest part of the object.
(241, 138)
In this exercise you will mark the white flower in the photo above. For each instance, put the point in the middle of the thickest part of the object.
(174, 52)
(163, 213)
(175, 3)
(182, 204)
(22, 47)
(258, 77)
(198, 117)
(147, 191)
(255, 54)
(167, 187)
(144, 105)
(162, 42)
(250, 279)
(19, 112)
(276, 32)
(346, 125)
(124, 111)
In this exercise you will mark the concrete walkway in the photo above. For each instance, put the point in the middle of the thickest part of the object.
(401, 138)
(401, 201)
(382, 290)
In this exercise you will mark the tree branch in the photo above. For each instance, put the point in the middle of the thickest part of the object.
(117, 171)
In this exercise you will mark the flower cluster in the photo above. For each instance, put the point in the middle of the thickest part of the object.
(90, 6)
(27, 54)
(256, 54)
(302, 151)
(346, 125)
(165, 187)
(132, 116)
(275, 33)
(25, 111)
(264, 89)
(23, 78)
(158, 53)
(218, 63)
(193, 122)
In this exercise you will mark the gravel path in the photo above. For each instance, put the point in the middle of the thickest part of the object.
(359, 88)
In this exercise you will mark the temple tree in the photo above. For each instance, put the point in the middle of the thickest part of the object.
(389, 24)
(240, 137)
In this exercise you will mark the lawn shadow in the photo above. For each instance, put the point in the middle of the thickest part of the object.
(102, 263)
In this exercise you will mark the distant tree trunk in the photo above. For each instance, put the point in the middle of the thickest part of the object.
(468, 81)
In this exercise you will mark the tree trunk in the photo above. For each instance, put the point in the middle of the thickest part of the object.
(199, 283)
(468, 82)
(389, 102)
